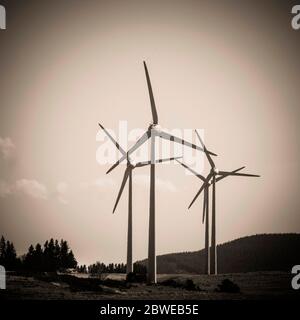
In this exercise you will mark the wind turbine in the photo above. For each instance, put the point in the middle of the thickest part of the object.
(131, 165)
(206, 210)
(152, 132)
(212, 179)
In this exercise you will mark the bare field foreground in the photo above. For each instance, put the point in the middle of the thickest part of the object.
(251, 286)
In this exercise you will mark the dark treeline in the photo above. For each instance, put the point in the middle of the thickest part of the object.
(99, 268)
(8, 256)
(53, 256)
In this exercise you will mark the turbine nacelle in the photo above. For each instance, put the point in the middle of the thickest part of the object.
(155, 127)
(131, 163)
(215, 170)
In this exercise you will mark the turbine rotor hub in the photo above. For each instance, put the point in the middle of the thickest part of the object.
(131, 163)
(155, 127)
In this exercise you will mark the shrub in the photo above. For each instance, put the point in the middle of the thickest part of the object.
(228, 286)
(136, 277)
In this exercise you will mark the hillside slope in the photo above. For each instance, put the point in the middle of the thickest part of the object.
(264, 252)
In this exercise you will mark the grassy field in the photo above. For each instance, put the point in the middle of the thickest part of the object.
(258, 285)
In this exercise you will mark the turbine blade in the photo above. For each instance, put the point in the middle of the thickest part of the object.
(205, 184)
(125, 177)
(141, 140)
(200, 139)
(237, 174)
(224, 176)
(210, 160)
(197, 195)
(153, 107)
(143, 164)
(204, 204)
(169, 137)
(167, 159)
(146, 163)
(192, 171)
(113, 140)
(115, 165)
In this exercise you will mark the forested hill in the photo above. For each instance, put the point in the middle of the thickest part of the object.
(264, 252)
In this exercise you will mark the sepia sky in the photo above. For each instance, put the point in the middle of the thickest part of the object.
(228, 67)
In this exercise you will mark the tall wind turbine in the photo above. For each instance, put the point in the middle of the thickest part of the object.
(211, 179)
(128, 177)
(153, 131)
(205, 217)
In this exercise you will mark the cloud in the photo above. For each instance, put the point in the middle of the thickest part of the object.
(7, 148)
(5, 189)
(164, 185)
(31, 188)
(61, 189)
(104, 182)
(101, 183)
